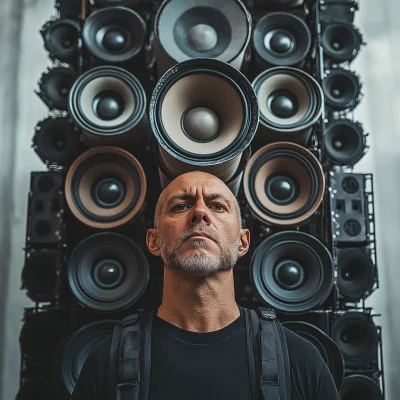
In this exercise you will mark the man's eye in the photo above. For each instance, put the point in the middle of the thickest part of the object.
(218, 207)
(179, 207)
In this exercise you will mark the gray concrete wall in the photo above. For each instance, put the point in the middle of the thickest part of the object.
(23, 60)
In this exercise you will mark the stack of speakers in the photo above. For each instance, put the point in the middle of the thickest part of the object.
(259, 93)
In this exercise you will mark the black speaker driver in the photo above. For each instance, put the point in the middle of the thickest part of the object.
(344, 142)
(281, 39)
(36, 388)
(360, 387)
(61, 38)
(108, 272)
(341, 41)
(114, 34)
(71, 354)
(357, 338)
(355, 274)
(342, 89)
(292, 271)
(328, 349)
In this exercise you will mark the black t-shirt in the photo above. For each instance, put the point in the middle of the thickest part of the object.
(213, 366)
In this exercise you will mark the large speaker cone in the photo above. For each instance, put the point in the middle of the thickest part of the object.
(105, 187)
(108, 102)
(290, 103)
(203, 114)
(292, 271)
(356, 273)
(71, 354)
(281, 39)
(360, 387)
(284, 184)
(357, 337)
(114, 34)
(341, 41)
(342, 89)
(186, 29)
(344, 142)
(108, 272)
(61, 38)
(329, 350)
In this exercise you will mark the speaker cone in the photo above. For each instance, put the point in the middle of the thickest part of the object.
(114, 34)
(186, 29)
(290, 103)
(203, 114)
(61, 38)
(292, 271)
(341, 41)
(360, 387)
(281, 39)
(55, 85)
(357, 338)
(344, 142)
(329, 350)
(284, 184)
(71, 354)
(356, 274)
(105, 187)
(36, 388)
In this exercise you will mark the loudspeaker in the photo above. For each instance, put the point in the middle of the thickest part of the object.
(344, 142)
(45, 209)
(105, 187)
(186, 29)
(356, 387)
(356, 273)
(61, 39)
(204, 115)
(349, 208)
(292, 271)
(72, 352)
(342, 90)
(108, 272)
(328, 349)
(281, 39)
(357, 337)
(114, 34)
(109, 104)
(36, 388)
(57, 141)
(290, 102)
(284, 184)
(341, 41)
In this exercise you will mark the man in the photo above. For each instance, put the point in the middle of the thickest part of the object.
(198, 348)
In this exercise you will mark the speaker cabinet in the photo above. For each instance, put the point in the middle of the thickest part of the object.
(338, 10)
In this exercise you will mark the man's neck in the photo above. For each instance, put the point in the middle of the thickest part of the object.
(196, 305)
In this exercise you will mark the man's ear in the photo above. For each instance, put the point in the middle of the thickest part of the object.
(151, 241)
(244, 242)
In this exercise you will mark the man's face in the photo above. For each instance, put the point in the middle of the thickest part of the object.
(198, 229)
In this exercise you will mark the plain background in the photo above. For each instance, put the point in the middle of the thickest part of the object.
(23, 60)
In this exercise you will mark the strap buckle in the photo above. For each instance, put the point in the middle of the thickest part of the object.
(266, 313)
(130, 320)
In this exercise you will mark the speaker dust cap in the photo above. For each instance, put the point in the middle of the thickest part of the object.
(105, 187)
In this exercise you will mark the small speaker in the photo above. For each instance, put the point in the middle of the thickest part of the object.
(290, 102)
(186, 29)
(283, 184)
(360, 387)
(105, 187)
(349, 208)
(55, 85)
(114, 34)
(204, 115)
(356, 273)
(281, 39)
(108, 272)
(61, 38)
(342, 90)
(292, 272)
(46, 209)
(57, 141)
(344, 142)
(357, 337)
(36, 388)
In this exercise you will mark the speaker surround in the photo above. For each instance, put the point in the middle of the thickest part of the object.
(360, 387)
(292, 271)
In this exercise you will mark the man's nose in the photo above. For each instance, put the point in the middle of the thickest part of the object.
(200, 214)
